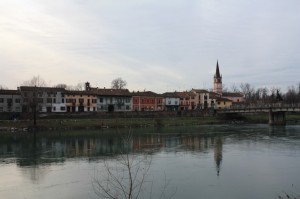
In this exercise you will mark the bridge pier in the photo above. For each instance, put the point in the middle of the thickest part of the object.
(277, 118)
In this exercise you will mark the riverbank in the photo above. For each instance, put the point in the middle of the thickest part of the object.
(88, 123)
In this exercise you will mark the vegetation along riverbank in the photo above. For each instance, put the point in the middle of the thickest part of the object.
(85, 122)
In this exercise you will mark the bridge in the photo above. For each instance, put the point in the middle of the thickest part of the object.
(276, 111)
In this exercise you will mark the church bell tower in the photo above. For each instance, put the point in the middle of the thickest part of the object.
(218, 81)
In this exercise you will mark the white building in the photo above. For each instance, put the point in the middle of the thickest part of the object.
(171, 101)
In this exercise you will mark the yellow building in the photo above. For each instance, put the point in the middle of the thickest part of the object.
(223, 103)
(81, 101)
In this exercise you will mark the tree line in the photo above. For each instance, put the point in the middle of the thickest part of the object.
(265, 94)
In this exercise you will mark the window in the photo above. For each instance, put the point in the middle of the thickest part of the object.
(94, 101)
(54, 108)
(63, 100)
(9, 100)
(49, 100)
(54, 100)
(176, 102)
(1, 100)
(127, 107)
(71, 100)
(40, 100)
(127, 100)
(1, 109)
(81, 100)
(18, 100)
(101, 100)
(169, 102)
(25, 100)
(62, 108)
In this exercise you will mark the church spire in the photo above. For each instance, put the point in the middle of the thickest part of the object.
(217, 70)
(218, 80)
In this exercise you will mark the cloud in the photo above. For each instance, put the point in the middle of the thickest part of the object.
(152, 44)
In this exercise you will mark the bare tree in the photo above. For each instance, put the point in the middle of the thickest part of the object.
(234, 88)
(264, 94)
(37, 81)
(127, 176)
(224, 88)
(3, 87)
(247, 90)
(79, 87)
(64, 86)
(32, 99)
(291, 96)
(118, 83)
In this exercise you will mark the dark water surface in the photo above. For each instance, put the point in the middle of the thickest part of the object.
(223, 161)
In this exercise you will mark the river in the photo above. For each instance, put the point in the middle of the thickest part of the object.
(209, 162)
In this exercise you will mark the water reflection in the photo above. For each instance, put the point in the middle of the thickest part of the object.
(218, 147)
(56, 148)
(209, 160)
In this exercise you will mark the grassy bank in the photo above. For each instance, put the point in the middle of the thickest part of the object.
(109, 123)
(86, 123)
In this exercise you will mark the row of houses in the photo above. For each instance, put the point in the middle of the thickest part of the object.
(60, 100)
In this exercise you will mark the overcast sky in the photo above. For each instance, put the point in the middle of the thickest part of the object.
(158, 45)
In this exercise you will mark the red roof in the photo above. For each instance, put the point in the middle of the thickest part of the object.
(145, 93)
(221, 99)
(200, 90)
(227, 94)
(111, 92)
(185, 94)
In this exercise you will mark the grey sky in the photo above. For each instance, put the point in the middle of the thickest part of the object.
(158, 45)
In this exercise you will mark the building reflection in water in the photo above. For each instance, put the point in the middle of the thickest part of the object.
(218, 147)
(56, 149)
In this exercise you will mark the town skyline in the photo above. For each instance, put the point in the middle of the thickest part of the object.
(154, 45)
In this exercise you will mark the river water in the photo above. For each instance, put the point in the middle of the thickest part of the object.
(219, 161)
